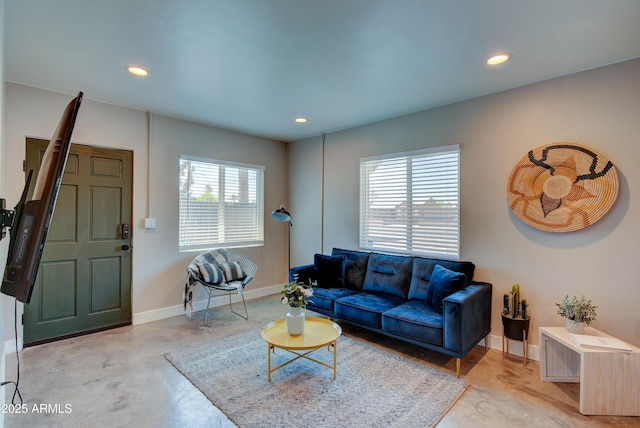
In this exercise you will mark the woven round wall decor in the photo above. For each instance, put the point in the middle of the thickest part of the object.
(562, 187)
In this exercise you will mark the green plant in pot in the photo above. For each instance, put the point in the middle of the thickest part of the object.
(515, 321)
(578, 312)
(514, 306)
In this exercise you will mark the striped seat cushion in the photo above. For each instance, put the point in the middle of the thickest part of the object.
(232, 271)
(211, 273)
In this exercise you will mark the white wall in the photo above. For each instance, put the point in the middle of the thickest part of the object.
(158, 268)
(170, 139)
(305, 170)
(598, 108)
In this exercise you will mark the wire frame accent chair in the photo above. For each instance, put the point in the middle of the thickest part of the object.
(220, 272)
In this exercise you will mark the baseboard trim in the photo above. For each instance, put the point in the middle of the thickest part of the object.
(200, 305)
(515, 347)
(10, 346)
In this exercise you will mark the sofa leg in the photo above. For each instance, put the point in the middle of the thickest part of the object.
(458, 365)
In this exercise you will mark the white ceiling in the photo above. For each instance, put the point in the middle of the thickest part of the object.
(254, 65)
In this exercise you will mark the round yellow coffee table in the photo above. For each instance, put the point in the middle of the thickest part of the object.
(318, 333)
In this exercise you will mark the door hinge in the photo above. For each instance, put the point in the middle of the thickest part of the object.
(22, 319)
(24, 166)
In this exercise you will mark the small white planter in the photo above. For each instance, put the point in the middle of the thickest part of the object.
(575, 327)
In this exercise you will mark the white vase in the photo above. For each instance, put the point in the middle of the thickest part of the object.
(295, 321)
(575, 327)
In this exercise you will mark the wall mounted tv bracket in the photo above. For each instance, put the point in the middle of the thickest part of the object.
(8, 216)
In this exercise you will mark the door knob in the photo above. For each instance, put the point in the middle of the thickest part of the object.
(125, 247)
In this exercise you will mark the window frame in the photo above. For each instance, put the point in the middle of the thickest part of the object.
(259, 210)
(450, 202)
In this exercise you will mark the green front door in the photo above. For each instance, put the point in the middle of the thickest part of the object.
(84, 281)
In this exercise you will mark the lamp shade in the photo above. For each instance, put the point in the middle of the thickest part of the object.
(281, 214)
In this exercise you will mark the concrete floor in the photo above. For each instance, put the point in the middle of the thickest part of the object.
(120, 378)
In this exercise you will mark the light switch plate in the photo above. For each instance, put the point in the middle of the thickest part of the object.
(149, 223)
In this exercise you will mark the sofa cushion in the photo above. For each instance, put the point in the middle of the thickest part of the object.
(365, 308)
(388, 274)
(324, 298)
(423, 268)
(355, 268)
(329, 270)
(443, 283)
(415, 320)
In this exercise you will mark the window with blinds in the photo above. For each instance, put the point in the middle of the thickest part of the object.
(221, 204)
(410, 202)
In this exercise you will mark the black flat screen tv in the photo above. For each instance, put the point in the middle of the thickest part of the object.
(32, 217)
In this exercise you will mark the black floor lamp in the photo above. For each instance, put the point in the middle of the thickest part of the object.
(281, 214)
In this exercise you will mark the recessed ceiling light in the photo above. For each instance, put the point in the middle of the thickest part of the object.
(301, 120)
(499, 58)
(137, 71)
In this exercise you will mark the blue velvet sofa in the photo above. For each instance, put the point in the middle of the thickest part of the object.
(428, 302)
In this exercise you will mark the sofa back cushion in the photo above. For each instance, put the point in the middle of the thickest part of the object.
(388, 274)
(329, 270)
(355, 267)
(423, 268)
(443, 283)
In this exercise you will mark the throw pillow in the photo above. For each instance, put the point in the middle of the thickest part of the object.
(355, 268)
(329, 270)
(388, 274)
(443, 283)
(210, 273)
(232, 271)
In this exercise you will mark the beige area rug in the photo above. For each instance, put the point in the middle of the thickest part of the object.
(373, 388)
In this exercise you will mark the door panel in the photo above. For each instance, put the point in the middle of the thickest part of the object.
(106, 210)
(84, 281)
(64, 226)
(61, 302)
(105, 284)
(106, 167)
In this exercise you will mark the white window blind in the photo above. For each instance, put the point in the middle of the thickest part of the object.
(410, 202)
(221, 204)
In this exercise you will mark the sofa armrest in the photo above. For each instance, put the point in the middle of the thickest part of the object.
(467, 317)
(304, 272)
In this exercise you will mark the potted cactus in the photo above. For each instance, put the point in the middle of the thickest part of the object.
(515, 320)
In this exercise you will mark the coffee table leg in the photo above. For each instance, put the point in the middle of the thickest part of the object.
(335, 359)
(269, 361)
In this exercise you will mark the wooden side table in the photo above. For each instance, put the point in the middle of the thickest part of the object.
(516, 329)
(608, 379)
